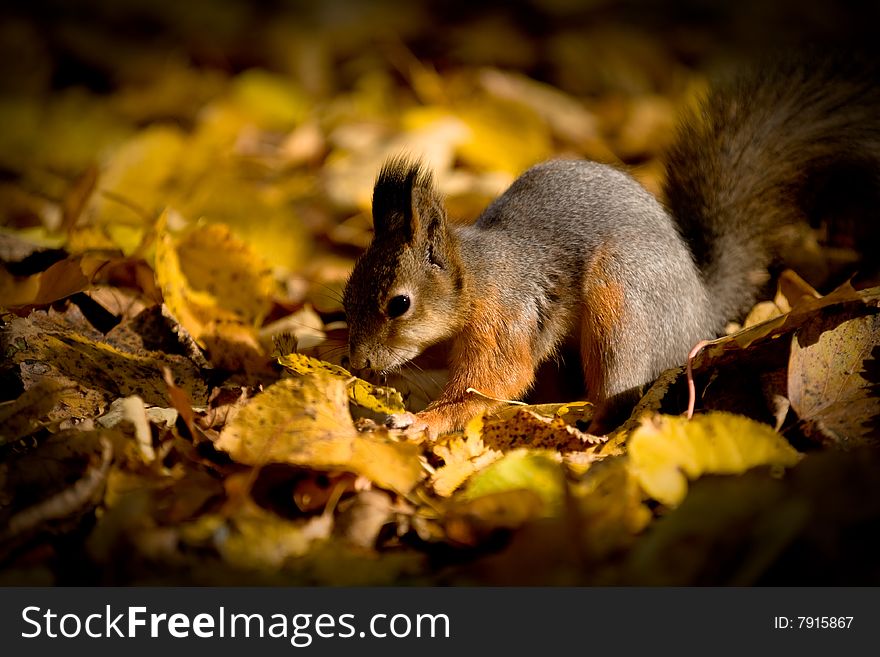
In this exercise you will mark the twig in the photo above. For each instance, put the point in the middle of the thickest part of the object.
(692, 389)
(474, 391)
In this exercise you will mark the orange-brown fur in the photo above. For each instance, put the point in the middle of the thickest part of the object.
(603, 314)
(488, 358)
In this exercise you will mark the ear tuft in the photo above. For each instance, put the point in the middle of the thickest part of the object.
(400, 181)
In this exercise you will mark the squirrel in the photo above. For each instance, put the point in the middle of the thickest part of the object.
(576, 249)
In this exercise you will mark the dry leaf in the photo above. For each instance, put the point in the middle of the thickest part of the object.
(462, 457)
(216, 263)
(221, 321)
(833, 378)
(381, 400)
(305, 421)
(538, 471)
(89, 372)
(525, 428)
(22, 416)
(664, 452)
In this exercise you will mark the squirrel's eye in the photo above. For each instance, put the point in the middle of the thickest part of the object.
(398, 305)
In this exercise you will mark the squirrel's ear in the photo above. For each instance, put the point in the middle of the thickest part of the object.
(405, 202)
(427, 213)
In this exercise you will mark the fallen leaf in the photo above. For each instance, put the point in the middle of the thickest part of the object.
(834, 378)
(462, 457)
(22, 416)
(305, 421)
(381, 400)
(89, 373)
(665, 451)
(525, 428)
(538, 471)
(221, 322)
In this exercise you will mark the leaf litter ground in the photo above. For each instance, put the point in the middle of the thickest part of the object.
(174, 409)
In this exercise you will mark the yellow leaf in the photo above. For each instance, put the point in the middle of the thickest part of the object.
(538, 471)
(505, 136)
(228, 294)
(271, 101)
(305, 421)
(193, 309)
(300, 364)
(665, 451)
(222, 194)
(462, 457)
(134, 186)
(361, 393)
(215, 261)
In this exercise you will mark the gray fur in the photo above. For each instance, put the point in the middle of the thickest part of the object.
(537, 241)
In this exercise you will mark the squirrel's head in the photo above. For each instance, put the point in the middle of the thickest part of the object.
(405, 292)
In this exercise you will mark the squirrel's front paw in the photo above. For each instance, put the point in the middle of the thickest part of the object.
(401, 420)
(410, 422)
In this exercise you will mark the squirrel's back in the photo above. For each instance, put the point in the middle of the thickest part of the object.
(576, 242)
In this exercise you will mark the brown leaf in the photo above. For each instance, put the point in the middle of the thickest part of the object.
(834, 378)
(36, 488)
(22, 416)
(58, 281)
(90, 372)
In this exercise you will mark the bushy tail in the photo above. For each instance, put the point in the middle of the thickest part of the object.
(780, 145)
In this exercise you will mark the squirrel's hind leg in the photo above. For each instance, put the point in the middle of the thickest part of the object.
(615, 346)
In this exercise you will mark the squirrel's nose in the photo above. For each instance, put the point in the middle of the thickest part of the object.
(357, 360)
